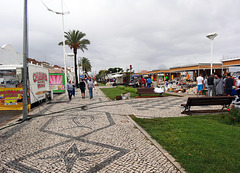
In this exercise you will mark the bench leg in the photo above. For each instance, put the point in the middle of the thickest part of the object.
(187, 110)
(225, 106)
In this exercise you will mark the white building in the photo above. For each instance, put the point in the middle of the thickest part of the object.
(9, 56)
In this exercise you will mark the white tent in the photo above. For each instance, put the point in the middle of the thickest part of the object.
(9, 56)
(117, 75)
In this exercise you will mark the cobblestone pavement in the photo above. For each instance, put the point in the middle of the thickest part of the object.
(87, 136)
(7, 115)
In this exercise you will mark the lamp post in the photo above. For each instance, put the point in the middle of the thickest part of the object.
(80, 68)
(211, 36)
(64, 51)
(71, 55)
(25, 56)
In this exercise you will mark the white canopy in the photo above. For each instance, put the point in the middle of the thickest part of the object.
(117, 75)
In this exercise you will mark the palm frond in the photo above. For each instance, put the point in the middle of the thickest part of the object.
(75, 40)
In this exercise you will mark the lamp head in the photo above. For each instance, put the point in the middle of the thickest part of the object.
(70, 55)
(211, 36)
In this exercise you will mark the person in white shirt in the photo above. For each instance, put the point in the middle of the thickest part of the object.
(205, 82)
(200, 83)
(90, 88)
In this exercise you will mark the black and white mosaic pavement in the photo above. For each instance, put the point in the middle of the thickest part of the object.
(83, 136)
(157, 103)
(74, 150)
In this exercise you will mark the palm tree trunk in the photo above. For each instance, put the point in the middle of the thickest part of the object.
(75, 67)
(83, 69)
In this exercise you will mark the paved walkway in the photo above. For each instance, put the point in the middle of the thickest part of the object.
(87, 136)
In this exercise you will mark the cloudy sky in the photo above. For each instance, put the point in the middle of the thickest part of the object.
(148, 34)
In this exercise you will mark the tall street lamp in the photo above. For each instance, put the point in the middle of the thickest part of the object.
(64, 51)
(25, 56)
(71, 56)
(211, 36)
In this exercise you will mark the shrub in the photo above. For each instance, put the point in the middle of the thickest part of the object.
(232, 117)
(121, 87)
(128, 89)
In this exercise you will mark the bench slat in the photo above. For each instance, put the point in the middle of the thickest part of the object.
(146, 91)
(199, 101)
(204, 101)
(210, 102)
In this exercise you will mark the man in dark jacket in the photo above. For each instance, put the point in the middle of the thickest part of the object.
(82, 88)
(228, 84)
(210, 82)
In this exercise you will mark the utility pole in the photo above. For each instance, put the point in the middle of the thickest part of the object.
(64, 51)
(25, 56)
(211, 36)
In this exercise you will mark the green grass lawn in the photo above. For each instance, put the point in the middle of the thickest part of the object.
(198, 143)
(101, 84)
(113, 92)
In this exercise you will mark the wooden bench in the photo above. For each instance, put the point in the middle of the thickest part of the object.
(225, 101)
(147, 91)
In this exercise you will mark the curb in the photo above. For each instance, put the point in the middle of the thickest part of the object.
(159, 147)
(14, 119)
(10, 120)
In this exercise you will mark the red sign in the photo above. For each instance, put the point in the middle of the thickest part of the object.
(40, 78)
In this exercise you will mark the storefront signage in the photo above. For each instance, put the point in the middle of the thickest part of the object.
(57, 82)
(40, 78)
(11, 98)
(38, 82)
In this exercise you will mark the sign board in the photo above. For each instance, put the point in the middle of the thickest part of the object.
(11, 98)
(57, 82)
(38, 81)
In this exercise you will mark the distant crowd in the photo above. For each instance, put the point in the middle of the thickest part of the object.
(218, 85)
(87, 82)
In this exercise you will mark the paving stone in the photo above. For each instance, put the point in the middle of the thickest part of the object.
(86, 135)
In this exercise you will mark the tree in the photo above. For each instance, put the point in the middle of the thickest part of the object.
(74, 39)
(115, 70)
(101, 74)
(85, 64)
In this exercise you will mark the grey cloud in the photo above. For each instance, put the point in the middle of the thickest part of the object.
(148, 34)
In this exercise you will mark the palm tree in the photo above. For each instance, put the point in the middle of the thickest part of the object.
(74, 39)
(85, 64)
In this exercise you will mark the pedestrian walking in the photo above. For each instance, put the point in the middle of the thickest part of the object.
(90, 88)
(228, 84)
(82, 88)
(149, 82)
(218, 83)
(200, 83)
(211, 89)
(70, 90)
